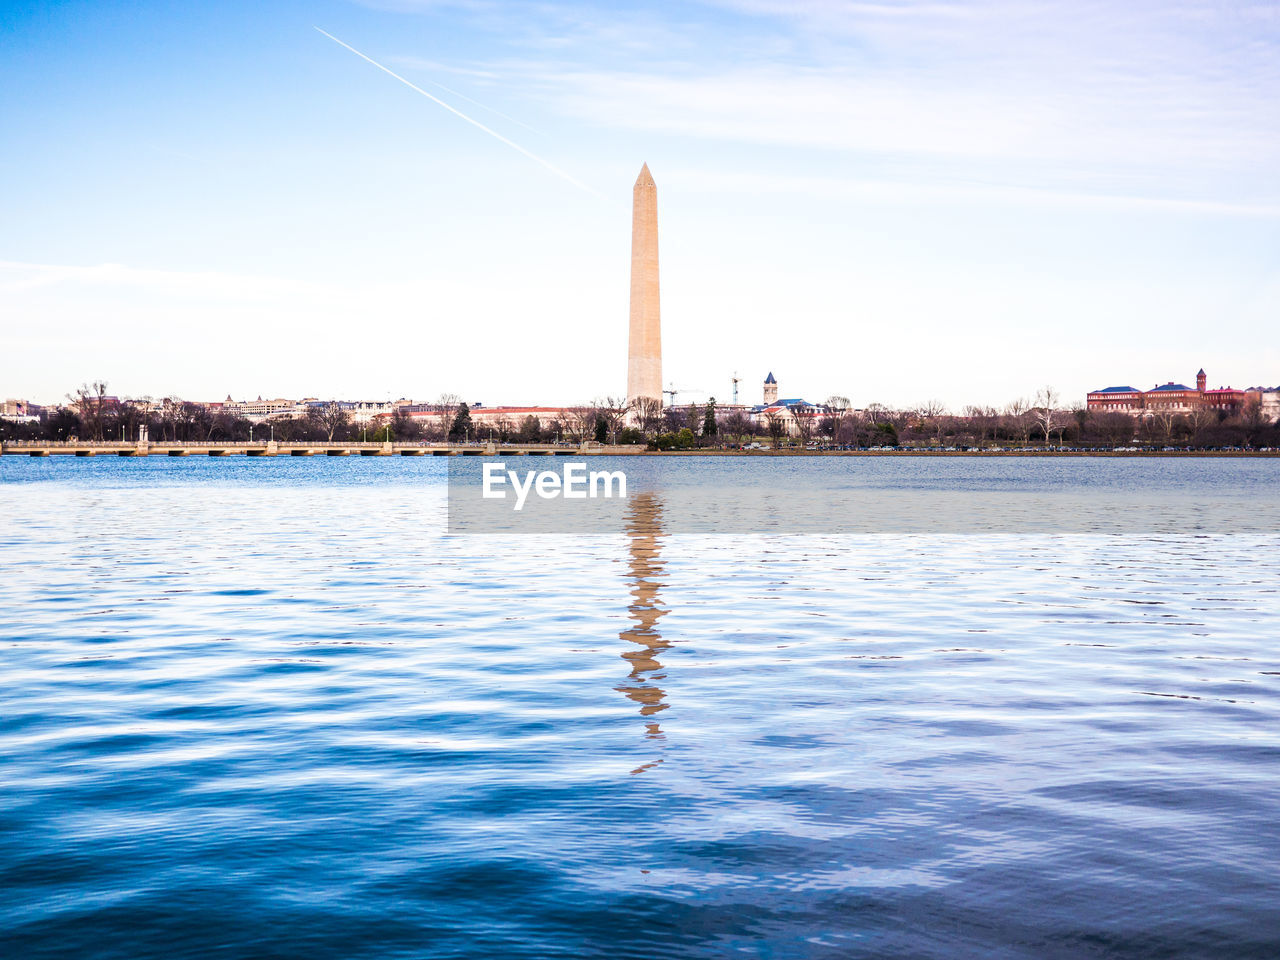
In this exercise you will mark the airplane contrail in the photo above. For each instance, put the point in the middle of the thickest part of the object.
(463, 96)
(475, 123)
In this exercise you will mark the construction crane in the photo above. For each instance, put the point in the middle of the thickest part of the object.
(736, 381)
(673, 390)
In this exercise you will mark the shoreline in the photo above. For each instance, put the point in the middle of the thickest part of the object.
(47, 448)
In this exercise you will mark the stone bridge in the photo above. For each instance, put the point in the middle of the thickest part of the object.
(269, 448)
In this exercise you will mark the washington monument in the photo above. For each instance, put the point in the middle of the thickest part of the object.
(644, 347)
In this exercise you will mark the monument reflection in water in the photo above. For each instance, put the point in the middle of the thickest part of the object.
(645, 574)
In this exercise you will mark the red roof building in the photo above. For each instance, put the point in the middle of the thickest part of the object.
(1167, 398)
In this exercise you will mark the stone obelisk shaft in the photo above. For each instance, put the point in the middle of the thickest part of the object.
(644, 348)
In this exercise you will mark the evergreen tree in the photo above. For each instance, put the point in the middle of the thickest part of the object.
(530, 430)
(709, 419)
(461, 428)
(602, 430)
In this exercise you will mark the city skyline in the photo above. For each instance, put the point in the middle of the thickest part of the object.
(893, 203)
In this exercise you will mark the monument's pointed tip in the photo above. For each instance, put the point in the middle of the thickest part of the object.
(645, 176)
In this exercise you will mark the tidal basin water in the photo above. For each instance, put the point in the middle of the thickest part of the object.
(267, 708)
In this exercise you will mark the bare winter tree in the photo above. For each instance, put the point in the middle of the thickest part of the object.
(674, 419)
(805, 422)
(1117, 427)
(90, 401)
(580, 422)
(1079, 415)
(1201, 419)
(858, 426)
(142, 409)
(647, 413)
(405, 427)
(1162, 420)
(291, 428)
(330, 418)
(1019, 420)
(932, 415)
(776, 426)
(121, 421)
(613, 410)
(172, 418)
(446, 409)
(1252, 420)
(737, 426)
(981, 421)
(1046, 412)
(589, 416)
(554, 426)
(932, 408)
(838, 409)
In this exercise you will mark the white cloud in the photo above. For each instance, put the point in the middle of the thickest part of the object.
(1171, 95)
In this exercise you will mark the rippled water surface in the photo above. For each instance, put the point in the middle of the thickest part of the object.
(265, 708)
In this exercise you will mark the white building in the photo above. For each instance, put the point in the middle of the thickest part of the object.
(1269, 403)
(790, 412)
(360, 411)
(259, 410)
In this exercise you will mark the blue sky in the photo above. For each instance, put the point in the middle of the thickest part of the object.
(895, 202)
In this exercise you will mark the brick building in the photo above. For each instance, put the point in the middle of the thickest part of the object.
(1169, 398)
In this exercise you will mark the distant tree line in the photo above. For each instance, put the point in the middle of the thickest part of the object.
(1041, 422)
(90, 414)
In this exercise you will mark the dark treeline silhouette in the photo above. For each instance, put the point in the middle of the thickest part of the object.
(196, 423)
(1020, 424)
(1071, 428)
(91, 414)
